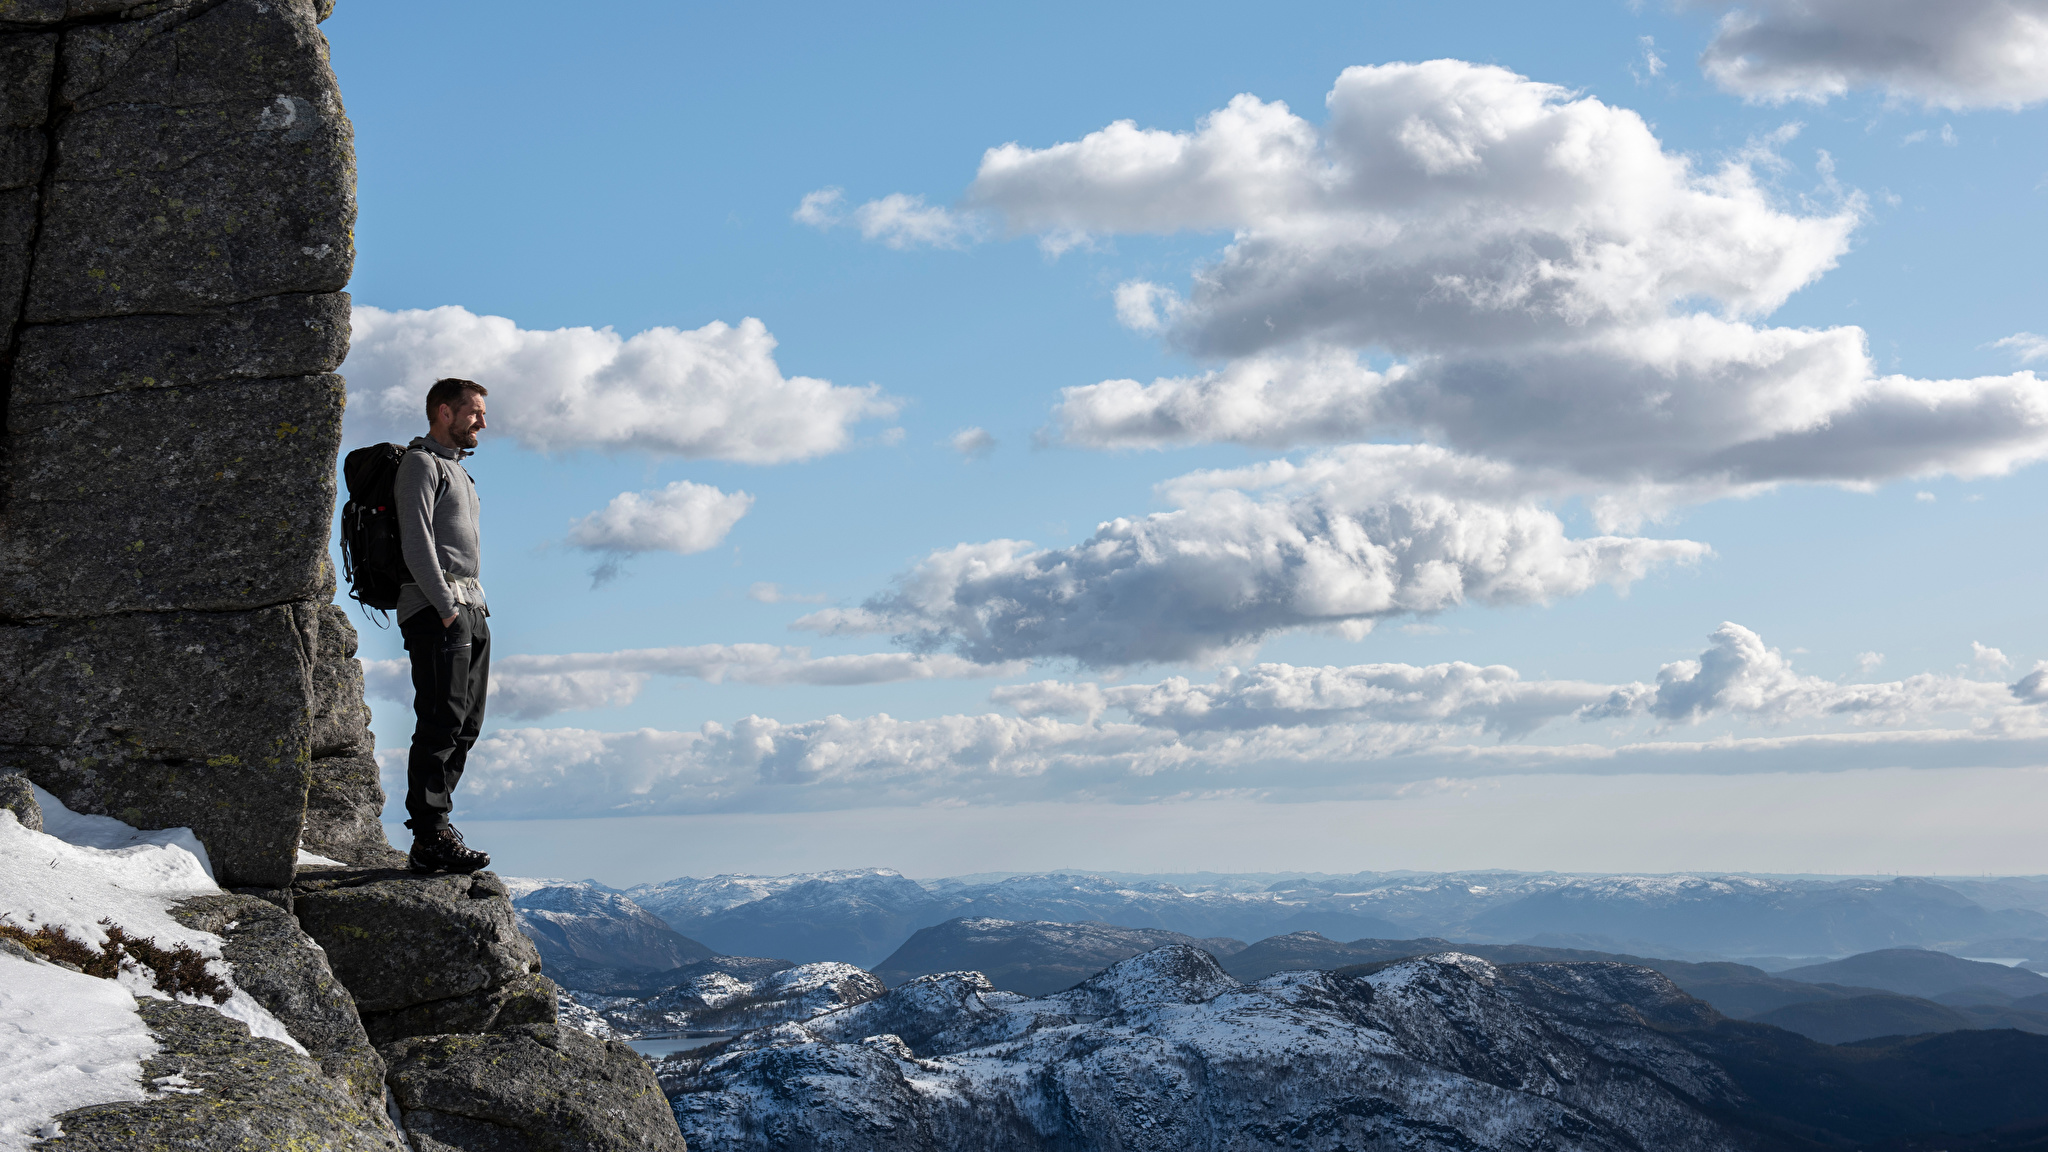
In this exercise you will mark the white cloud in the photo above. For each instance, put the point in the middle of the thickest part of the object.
(681, 518)
(1987, 659)
(715, 392)
(897, 220)
(973, 443)
(1739, 675)
(1443, 202)
(532, 687)
(1273, 731)
(1561, 291)
(2026, 346)
(1494, 699)
(1867, 664)
(762, 592)
(1953, 54)
(1348, 538)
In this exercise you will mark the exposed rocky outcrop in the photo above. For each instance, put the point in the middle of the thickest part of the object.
(275, 962)
(176, 197)
(215, 1088)
(344, 799)
(537, 1087)
(425, 955)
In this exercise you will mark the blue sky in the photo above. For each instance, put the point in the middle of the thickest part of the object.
(646, 170)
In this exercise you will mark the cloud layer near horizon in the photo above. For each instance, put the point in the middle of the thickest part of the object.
(1272, 731)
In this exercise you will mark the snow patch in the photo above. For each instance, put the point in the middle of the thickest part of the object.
(68, 1040)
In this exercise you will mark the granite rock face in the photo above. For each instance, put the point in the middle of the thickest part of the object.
(232, 1092)
(533, 1088)
(283, 970)
(425, 954)
(344, 797)
(171, 718)
(176, 198)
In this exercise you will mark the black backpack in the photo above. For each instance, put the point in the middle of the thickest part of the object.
(370, 552)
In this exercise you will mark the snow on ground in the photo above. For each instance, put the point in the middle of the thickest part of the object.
(66, 1039)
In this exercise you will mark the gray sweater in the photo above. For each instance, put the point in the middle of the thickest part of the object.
(437, 530)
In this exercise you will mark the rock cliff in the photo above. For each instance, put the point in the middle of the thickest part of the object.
(177, 198)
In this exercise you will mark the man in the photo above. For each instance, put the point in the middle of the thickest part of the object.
(441, 614)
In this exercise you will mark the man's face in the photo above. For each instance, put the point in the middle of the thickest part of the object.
(465, 420)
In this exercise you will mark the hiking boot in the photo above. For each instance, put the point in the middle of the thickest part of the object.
(442, 850)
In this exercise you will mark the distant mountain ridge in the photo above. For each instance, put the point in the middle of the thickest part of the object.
(862, 915)
(1030, 958)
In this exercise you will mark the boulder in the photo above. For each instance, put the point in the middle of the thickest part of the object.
(197, 719)
(529, 999)
(344, 809)
(341, 720)
(215, 1088)
(400, 942)
(283, 970)
(532, 1088)
(18, 796)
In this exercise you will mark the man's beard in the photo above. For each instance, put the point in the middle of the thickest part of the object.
(464, 439)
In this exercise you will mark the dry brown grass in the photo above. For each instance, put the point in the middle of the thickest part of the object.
(175, 971)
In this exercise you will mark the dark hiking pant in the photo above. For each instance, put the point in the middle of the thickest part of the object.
(451, 671)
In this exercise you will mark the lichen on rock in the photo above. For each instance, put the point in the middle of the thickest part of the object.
(215, 1089)
(532, 1088)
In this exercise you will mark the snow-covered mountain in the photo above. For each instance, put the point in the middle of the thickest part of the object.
(862, 915)
(857, 916)
(1031, 957)
(581, 924)
(724, 1001)
(1165, 1051)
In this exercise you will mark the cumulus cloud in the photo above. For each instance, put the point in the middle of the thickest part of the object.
(1442, 202)
(681, 518)
(1554, 288)
(1341, 541)
(1955, 54)
(1739, 674)
(1273, 731)
(715, 392)
(1686, 408)
(1988, 659)
(532, 687)
(897, 220)
(973, 443)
